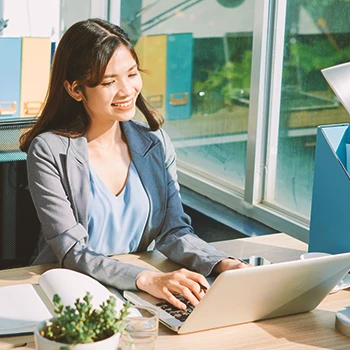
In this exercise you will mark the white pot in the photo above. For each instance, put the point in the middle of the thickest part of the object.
(42, 343)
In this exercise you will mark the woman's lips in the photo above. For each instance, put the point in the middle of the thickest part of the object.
(123, 105)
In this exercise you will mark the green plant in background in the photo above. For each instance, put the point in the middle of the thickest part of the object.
(83, 324)
(231, 80)
(330, 43)
(303, 63)
(319, 55)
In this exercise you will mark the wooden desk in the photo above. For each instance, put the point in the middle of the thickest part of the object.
(311, 330)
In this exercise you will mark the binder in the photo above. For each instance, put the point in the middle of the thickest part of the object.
(179, 76)
(35, 72)
(167, 80)
(10, 76)
(152, 51)
(53, 50)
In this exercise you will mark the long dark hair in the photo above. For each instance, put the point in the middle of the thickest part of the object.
(82, 56)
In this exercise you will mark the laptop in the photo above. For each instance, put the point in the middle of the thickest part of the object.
(255, 293)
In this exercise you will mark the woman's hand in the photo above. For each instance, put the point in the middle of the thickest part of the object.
(229, 264)
(165, 285)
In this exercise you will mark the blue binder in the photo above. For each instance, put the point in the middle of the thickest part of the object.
(179, 76)
(10, 76)
(53, 49)
(330, 209)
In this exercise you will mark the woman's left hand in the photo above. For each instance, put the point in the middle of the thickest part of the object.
(229, 264)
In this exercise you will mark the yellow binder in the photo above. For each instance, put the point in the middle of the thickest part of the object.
(35, 72)
(151, 51)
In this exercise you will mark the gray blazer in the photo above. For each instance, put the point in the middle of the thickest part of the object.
(58, 175)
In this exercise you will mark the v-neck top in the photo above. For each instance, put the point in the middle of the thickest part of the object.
(116, 222)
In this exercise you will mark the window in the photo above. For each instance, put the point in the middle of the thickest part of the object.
(240, 87)
(316, 36)
(198, 58)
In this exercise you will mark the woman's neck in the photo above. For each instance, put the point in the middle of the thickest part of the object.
(105, 136)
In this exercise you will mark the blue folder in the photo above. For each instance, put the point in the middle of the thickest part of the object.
(10, 75)
(330, 208)
(179, 76)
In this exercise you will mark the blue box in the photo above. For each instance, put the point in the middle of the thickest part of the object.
(330, 208)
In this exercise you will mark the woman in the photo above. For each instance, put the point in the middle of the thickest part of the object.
(104, 184)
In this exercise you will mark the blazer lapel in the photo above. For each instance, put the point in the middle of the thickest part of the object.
(149, 160)
(78, 177)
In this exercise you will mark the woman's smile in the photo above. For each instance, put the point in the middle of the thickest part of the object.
(123, 105)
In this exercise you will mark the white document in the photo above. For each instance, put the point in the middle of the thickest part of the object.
(22, 306)
(21, 309)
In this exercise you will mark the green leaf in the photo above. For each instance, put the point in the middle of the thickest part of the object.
(83, 324)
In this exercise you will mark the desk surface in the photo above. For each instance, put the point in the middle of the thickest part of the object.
(311, 330)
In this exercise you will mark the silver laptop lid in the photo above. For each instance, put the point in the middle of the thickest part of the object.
(262, 292)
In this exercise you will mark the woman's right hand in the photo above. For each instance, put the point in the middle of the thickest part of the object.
(165, 285)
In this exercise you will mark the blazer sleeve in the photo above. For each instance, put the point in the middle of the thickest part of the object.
(177, 239)
(68, 238)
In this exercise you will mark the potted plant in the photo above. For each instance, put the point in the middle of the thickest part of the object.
(81, 327)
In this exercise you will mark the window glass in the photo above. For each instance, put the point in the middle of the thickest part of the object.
(316, 36)
(197, 61)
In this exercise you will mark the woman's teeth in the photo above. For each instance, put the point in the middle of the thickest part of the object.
(122, 104)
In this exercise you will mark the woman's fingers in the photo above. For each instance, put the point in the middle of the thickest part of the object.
(180, 282)
(164, 285)
(171, 298)
(192, 285)
(230, 264)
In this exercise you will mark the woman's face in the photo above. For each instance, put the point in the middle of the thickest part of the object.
(115, 98)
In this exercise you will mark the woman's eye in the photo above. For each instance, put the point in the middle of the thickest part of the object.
(133, 74)
(108, 83)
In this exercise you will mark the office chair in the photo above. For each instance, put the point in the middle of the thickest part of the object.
(19, 224)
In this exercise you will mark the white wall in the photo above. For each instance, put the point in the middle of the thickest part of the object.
(35, 18)
(47, 18)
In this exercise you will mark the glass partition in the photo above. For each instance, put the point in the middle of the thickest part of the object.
(197, 61)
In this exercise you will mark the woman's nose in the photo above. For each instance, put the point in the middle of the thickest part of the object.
(125, 88)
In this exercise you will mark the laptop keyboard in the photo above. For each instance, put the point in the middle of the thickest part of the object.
(179, 314)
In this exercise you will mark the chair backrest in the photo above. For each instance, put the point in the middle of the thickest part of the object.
(19, 224)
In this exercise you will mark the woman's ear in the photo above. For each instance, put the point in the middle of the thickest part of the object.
(74, 90)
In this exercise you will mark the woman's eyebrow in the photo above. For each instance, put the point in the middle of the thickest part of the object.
(115, 75)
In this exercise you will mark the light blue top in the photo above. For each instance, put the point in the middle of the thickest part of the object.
(116, 223)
